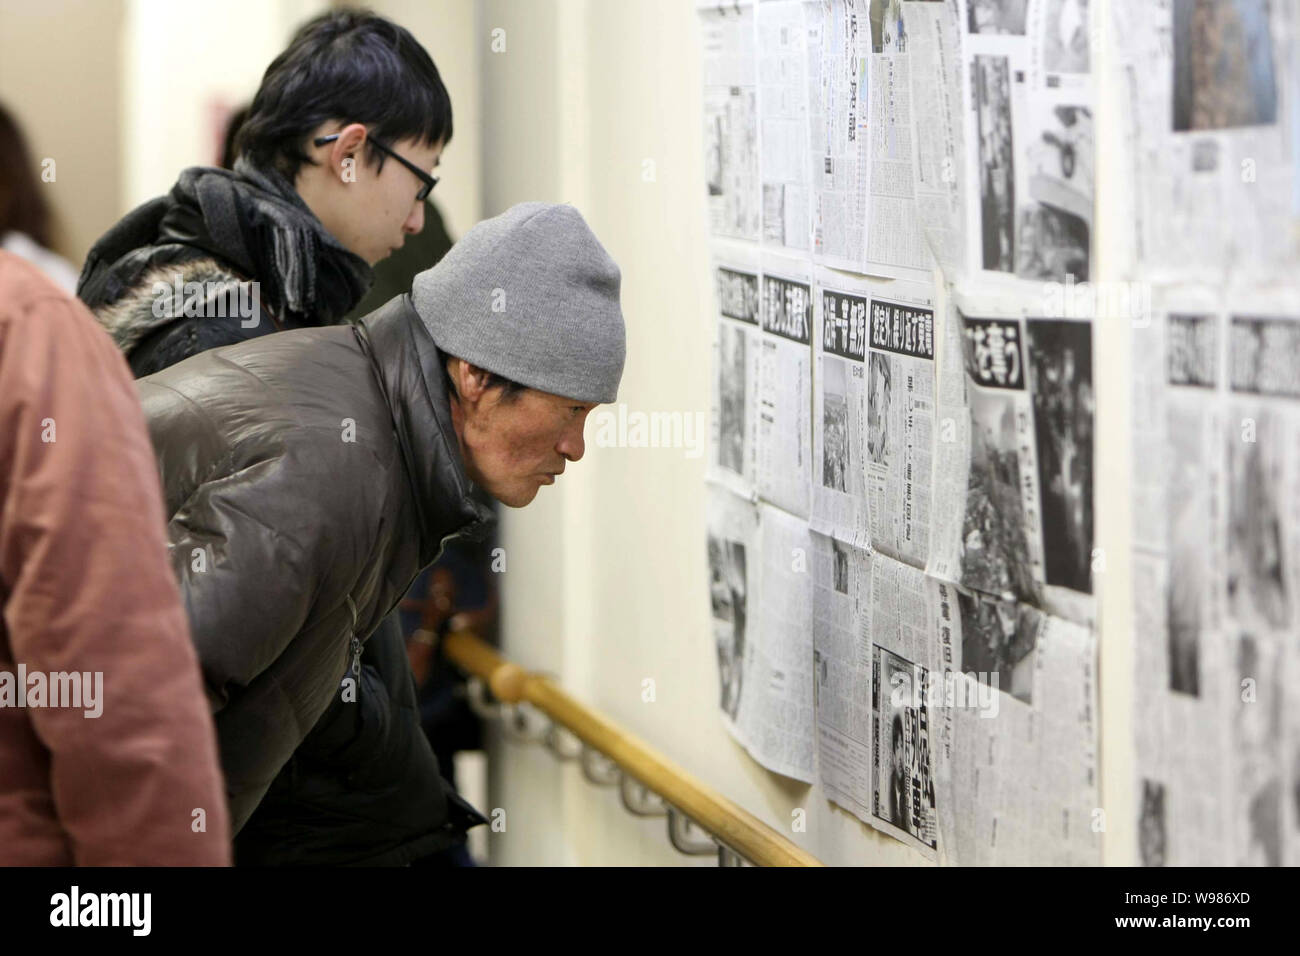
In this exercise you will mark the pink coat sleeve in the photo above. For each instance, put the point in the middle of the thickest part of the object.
(87, 586)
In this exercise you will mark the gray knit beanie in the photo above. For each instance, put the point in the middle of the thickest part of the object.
(532, 296)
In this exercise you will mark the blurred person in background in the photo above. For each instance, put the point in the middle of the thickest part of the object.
(331, 169)
(125, 772)
(458, 591)
(24, 213)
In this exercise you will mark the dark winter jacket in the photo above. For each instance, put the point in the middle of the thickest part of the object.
(309, 476)
(225, 256)
(175, 278)
(365, 789)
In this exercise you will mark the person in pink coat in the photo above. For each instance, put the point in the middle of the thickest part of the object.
(107, 750)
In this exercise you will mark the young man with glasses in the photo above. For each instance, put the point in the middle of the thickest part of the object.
(335, 163)
(288, 237)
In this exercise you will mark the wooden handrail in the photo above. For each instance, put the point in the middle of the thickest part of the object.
(740, 830)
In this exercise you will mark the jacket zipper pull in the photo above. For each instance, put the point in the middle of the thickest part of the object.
(356, 645)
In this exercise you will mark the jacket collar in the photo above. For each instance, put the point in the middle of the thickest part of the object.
(250, 220)
(409, 367)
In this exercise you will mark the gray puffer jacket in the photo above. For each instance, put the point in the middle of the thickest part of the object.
(309, 476)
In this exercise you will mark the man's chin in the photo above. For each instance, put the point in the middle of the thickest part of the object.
(518, 497)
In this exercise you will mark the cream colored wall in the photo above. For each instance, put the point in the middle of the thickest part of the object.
(606, 574)
(181, 58)
(60, 75)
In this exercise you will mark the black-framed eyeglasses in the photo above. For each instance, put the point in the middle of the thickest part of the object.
(428, 181)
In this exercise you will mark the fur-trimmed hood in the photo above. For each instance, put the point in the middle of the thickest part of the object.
(198, 288)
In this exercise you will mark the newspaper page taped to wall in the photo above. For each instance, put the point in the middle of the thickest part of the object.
(779, 725)
(842, 672)
(730, 72)
(1029, 130)
(903, 797)
(1212, 135)
(734, 564)
(902, 338)
(839, 495)
(1021, 770)
(1027, 515)
(783, 95)
(896, 245)
(761, 595)
(864, 211)
(873, 415)
(938, 130)
(1216, 471)
(875, 657)
(784, 445)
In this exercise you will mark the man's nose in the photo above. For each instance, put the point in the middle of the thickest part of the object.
(415, 221)
(571, 445)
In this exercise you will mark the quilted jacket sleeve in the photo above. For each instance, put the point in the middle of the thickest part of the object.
(248, 588)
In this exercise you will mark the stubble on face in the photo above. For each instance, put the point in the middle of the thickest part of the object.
(511, 446)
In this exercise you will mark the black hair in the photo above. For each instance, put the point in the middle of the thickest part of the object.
(511, 390)
(22, 202)
(348, 65)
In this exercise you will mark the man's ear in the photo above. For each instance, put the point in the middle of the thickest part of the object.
(347, 147)
(469, 381)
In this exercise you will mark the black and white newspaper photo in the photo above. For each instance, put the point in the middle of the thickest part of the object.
(1023, 770)
(736, 355)
(903, 705)
(1027, 528)
(839, 493)
(1029, 120)
(734, 560)
(761, 594)
(994, 139)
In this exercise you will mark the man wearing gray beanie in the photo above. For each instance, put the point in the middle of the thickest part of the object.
(310, 475)
(527, 303)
